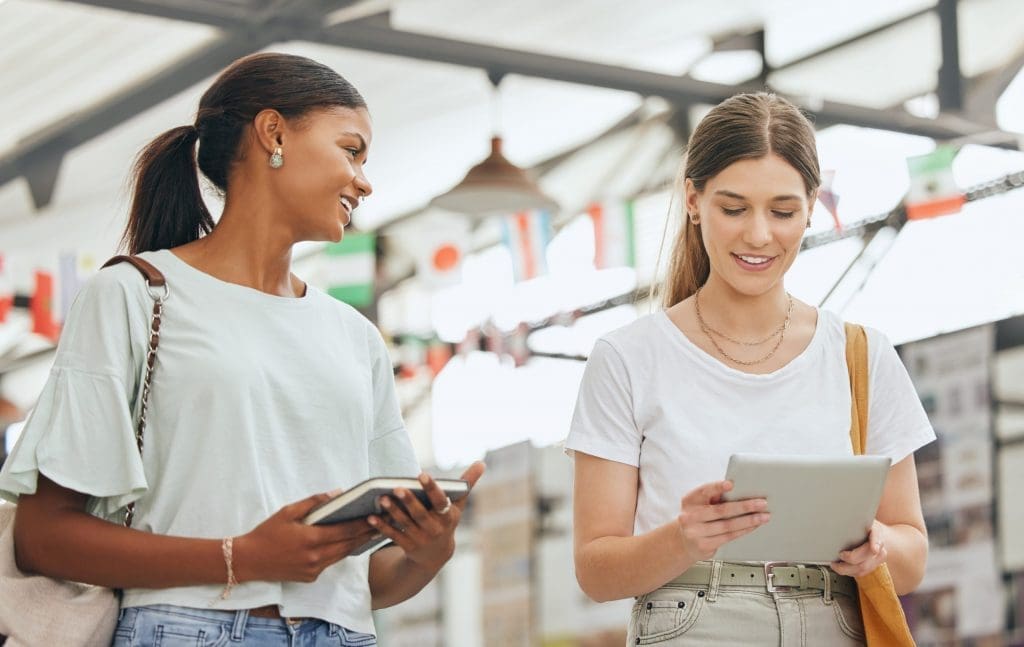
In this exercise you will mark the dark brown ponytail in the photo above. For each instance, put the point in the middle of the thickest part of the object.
(167, 203)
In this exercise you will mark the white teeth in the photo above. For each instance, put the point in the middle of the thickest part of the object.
(346, 203)
(753, 260)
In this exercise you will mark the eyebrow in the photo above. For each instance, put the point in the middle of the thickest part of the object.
(737, 196)
(362, 142)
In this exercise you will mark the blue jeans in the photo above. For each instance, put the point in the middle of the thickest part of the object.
(164, 625)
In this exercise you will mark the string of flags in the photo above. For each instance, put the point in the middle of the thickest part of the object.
(933, 193)
(349, 268)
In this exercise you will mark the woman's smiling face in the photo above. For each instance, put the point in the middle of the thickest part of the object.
(752, 215)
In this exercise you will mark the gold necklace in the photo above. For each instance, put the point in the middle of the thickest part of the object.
(707, 330)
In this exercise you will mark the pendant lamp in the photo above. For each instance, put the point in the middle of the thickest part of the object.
(494, 186)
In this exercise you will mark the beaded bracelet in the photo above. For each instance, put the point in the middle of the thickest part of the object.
(232, 582)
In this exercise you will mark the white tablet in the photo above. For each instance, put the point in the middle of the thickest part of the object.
(820, 505)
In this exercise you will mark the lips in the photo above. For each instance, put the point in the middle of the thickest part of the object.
(754, 262)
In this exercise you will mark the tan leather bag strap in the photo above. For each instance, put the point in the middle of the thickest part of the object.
(857, 365)
(156, 285)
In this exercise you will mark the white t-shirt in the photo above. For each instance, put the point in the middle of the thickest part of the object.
(258, 401)
(653, 399)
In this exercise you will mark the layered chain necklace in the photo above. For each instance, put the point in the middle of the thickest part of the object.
(779, 332)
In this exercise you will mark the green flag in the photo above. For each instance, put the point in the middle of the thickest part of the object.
(350, 269)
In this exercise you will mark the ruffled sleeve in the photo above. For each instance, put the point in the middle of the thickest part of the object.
(81, 432)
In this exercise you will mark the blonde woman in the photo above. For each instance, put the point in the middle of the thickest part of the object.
(733, 363)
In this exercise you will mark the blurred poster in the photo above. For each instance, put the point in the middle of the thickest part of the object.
(505, 519)
(967, 471)
(932, 615)
(951, 374)
(971, 573)
(1011, 506)
(962, 595)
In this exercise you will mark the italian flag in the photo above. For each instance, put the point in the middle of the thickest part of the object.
(527, 234)
(614, 234)
(349, 269)
(933, 192)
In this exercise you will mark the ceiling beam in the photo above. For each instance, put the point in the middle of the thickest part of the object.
(983, 91)
(950, 81)
(678, 90)
(295, 19)
(215, 14)
(52, 143)
(502, 61)
(38, 156)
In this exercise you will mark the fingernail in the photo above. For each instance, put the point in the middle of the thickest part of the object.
(385, 504)
(423, 479)
(372, 521)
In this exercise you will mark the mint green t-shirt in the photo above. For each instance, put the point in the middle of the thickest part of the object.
(258, 401)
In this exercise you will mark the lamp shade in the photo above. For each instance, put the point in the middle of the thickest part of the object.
(495, 185)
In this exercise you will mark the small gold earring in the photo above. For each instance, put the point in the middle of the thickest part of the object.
(694, 218)
(277, 159)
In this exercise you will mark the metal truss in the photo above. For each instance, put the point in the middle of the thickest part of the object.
(250, 25)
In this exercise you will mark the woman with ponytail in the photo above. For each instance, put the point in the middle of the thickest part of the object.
(266, 393)
(731, 364)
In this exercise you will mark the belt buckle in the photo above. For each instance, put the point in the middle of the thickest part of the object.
(769, 577)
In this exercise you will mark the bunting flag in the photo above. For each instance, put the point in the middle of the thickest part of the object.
(527, 234)
(494, 339)
(828, 198)
(6, 291)
(470, 343)
(350, 267)
(614, 234)
(438, 354)
(41, 307)
(933, 192)
(516, 345)
(440, 252)
(412, 354)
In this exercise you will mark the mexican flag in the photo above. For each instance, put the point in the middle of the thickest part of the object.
(933, 192)
(527, 234)
(349, 269)
(614, 234)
